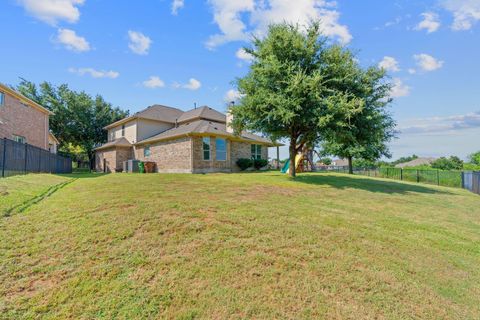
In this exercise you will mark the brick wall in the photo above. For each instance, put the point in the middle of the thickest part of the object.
(114, 158)
(244, 150)
(173, 156)
(22, 120)
(212, 165)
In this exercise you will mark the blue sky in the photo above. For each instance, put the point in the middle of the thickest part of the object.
(174, 52)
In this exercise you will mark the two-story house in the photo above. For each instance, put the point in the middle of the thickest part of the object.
(195, 141)
(24, 120)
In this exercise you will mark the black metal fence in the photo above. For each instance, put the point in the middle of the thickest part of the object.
(436, 177)
(471, 181)
(19, 158)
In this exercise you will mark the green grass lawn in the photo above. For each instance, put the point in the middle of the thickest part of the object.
(235, 246)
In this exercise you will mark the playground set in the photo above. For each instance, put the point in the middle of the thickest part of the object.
(303, 162)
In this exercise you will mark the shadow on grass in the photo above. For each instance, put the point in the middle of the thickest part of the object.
(367, 184)
(81, 175)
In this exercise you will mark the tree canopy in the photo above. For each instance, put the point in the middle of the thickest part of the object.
(452, 163)
(302, 88)
(78, 119)
(475, 158)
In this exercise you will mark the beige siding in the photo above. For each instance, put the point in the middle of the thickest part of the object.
(148, 128)
(130, 132)
(173, 156)
(22, 120)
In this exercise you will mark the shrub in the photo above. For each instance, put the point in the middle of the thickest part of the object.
(244, 163)
(259, 163)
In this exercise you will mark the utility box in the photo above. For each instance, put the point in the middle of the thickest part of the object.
(130, 166)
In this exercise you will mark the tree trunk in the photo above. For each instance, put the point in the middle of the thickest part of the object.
(313, 167)
(293, 154)
(350, 165)
(278, 158)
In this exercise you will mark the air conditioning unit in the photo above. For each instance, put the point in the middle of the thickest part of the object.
(130, 166)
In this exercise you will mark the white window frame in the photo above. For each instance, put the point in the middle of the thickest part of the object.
(147, 147)
(123, 130)
(209, 144)
(257, 154)
(19, 139)
(224, 151)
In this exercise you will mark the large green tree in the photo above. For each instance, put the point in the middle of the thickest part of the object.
(78, 118)
(475, 158)
(359, 123)
(283, 94)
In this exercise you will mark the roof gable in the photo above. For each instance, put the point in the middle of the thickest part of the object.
(204, 113)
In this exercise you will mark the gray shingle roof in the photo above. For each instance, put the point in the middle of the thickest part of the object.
(121, 142)
(202, 113)
(205, 127)
(156, 112)
(415, 162)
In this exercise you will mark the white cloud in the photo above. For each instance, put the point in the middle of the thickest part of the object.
(465, 13)
(399, 89)
(52, 11)
(243, 55)
(95, 73)
(232, 95)
(193, 84)
(412, 71)
(430, 22)
(427, 63)
(389, 64)
(154, 82)
(177, 5)
(72, 41)
(442, 124)
(139, 43)
(228, 16)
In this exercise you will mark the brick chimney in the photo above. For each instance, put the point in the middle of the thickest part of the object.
(230, 118)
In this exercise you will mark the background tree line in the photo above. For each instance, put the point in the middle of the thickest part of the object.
(78, 118)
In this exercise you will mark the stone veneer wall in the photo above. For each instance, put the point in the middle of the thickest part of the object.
(114, 158)
(172, 156)
(212, 165)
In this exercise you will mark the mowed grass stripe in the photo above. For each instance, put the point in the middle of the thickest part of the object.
(243, 246)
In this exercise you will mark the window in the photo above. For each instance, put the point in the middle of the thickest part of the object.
(2, 99)
(256, 151)
(146, 151)
(123, 130)
(19, 139)
(206, 148)
(221, 149)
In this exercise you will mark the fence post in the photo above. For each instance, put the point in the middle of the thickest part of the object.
(438, 177)
(25, 164)
(4, 156)
(418, 176)
(401, 174)
(463, 180)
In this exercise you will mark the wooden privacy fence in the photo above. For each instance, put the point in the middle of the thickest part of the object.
(20, 158)
(471, 181)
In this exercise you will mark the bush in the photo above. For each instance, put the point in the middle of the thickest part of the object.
(259, 163)
(244, 163)
(452, 163)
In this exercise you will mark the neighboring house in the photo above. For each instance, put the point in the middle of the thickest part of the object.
(52, 143)
(416, 162)
(196, 141)
(22, 119)
(339, 163)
